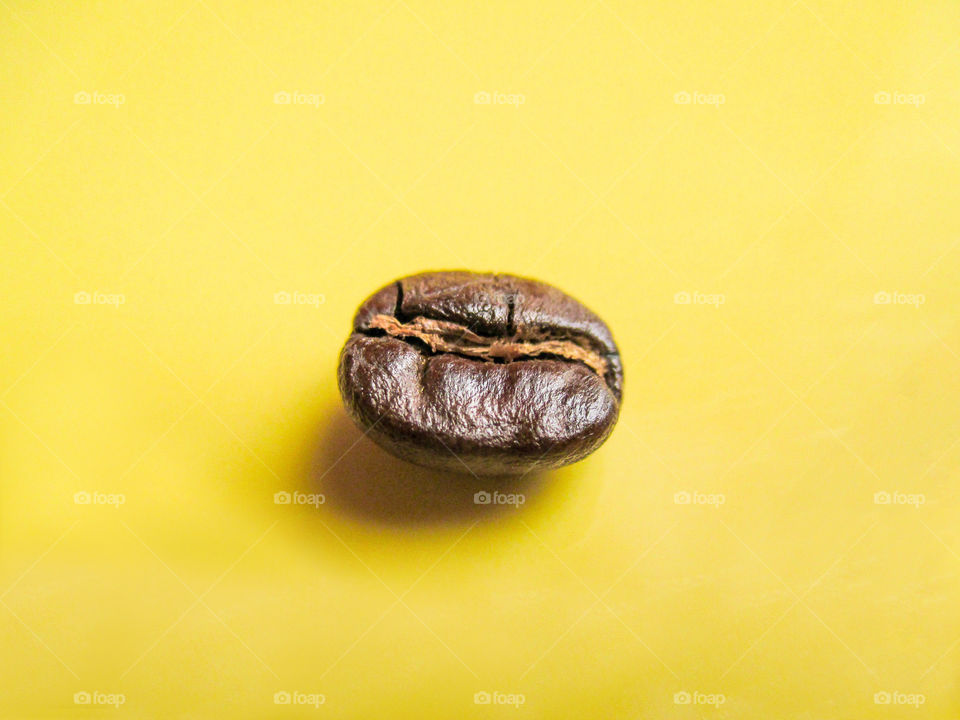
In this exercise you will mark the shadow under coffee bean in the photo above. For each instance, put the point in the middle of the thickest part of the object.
(481, 373)
(361, 481)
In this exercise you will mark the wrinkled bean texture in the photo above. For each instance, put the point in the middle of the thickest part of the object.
(483, 373)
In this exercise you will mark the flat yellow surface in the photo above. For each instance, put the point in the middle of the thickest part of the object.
(760, 198)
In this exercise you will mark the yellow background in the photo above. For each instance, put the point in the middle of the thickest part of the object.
(794, 402)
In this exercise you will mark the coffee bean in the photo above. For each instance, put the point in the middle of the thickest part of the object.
(481, 373)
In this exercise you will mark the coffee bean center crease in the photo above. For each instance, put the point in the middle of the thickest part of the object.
(450, 337)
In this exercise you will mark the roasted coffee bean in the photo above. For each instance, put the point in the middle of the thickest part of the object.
(481, 373)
